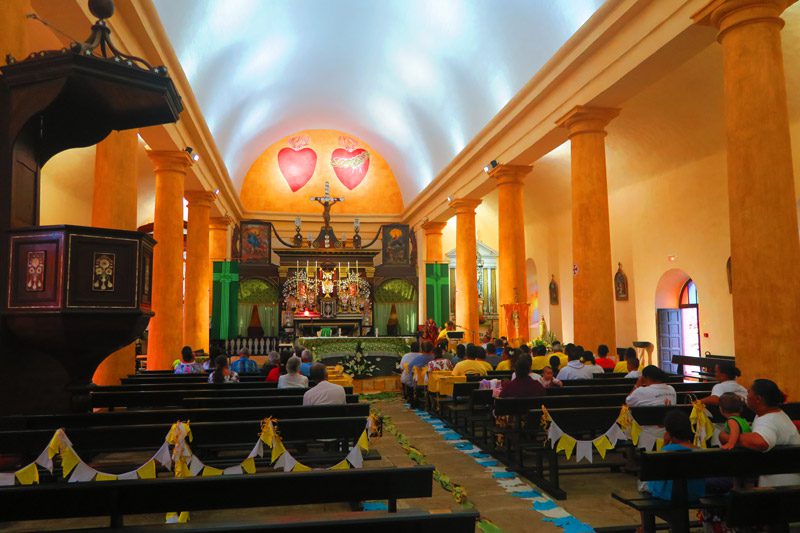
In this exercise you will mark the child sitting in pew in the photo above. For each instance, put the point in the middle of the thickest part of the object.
(731, 406)
(678, 437)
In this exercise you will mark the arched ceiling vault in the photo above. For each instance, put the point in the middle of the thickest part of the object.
(417, 79)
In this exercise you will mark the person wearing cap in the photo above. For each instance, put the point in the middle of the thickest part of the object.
(652, 389)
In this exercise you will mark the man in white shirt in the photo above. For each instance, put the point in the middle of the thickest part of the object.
(591, 363)
(651, 389)
(324, 392)
(575, 369)
(633, 366)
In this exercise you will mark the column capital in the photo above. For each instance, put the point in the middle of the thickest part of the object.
(587, 119)
(728, 14)
(433, 227)
(175, 160)
(200, 198)
(507, 174)
(464, 205)
(219, 222)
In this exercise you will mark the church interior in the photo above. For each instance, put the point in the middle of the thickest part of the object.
(344, 265)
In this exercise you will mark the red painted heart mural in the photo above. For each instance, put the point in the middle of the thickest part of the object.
(350, 163)
(297, 162)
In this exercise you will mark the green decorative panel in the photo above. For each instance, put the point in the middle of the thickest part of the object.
(225, 300)
(437, 292)
(257, 291)
(395, 291)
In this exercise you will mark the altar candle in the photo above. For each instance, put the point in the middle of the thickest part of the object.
(306, 267)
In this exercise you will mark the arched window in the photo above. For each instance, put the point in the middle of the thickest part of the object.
(688, 296)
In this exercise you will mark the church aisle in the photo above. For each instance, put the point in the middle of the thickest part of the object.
(589, 493)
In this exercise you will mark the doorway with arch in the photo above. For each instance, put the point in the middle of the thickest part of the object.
(677, 318)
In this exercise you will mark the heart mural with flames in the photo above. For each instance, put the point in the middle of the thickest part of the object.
(297, 162)
(350, 163)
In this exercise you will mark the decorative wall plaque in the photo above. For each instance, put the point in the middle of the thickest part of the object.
(34, 279)
(620, 285)
(553, 291)
(103, 275)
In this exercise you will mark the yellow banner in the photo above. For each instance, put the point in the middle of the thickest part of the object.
(28, 475)
(300, 467)
(147, 470)
(105, 477)
(566, 444)
(210, 471)
(603, 445)
(363, 441)
(341, 465)
(69, 459)
(249, 465)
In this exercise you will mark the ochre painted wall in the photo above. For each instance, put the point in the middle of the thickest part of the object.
(265, 188)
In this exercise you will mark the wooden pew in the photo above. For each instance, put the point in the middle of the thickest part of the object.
(248, 401)
(137, 399)
(400, 522)
(208, 436)
(167, 416)
(188, 378)
(776, 507)
(119, 498)
(700, 464)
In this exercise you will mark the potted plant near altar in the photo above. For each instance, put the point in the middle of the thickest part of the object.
(357, 364)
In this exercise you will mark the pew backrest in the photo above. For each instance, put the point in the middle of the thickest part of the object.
(705, 463)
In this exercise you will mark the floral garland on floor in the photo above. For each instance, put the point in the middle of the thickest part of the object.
(459, 493)
(626, 428)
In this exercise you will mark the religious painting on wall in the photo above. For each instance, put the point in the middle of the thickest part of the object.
(553, 291)
(396, 244)
(620, 285)
(236, 243)
(256, 242)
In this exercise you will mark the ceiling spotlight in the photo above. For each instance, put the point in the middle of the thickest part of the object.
(672, 258)
(189, 150)
(196, 157)
(216, 191)
(488, 168)
(449, 199)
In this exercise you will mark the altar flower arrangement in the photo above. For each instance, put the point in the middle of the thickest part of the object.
(357, 364)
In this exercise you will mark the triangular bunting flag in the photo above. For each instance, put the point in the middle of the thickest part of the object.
(128, 475)
(288, 462)
(341, 465)
(363, 441)
(69, 459)
(210, 471)
(45, 460)
(182, 469)
(147, 470)
(583, 450)
(28, 475)
(249, 465)
(636, 431)
(7, 479)
(300, 467)
(615, 434)
(163, 456)
(195, 465)
(566, 444)
(233, 470)
(659, 444)
(105, 477)
(82, 473)
(646, 441)
(258, 450)
(554, 433)
(355, 458)
(603, 445)
(277, 450)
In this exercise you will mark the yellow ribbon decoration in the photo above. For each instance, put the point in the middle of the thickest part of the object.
(267, 434)
(249, 465)
(105, 477)
(210, 471)
(363, 441)
(545, 419)
(700, 424)
(300, 467)
(69, 460)
(183, 517)
(182, 469)
(603, 445)
(566, 444)
(147, 470)
(341, 465)
(625, 420)
(636, 430)
(28, 475)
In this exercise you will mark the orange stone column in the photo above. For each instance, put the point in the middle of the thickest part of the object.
(467, 311)
(166, 327)
(512, 281)
(592, 282)
(217, 249)
(765, 252)
(196, 319)
(14, 29)
(433, 241)
(114, 206)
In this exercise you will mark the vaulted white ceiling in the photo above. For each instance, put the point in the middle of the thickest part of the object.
(417, 79)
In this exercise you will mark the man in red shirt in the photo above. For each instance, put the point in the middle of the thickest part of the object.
(603, 360)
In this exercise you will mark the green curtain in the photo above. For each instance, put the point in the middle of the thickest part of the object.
(406, 315)
(267, 313)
